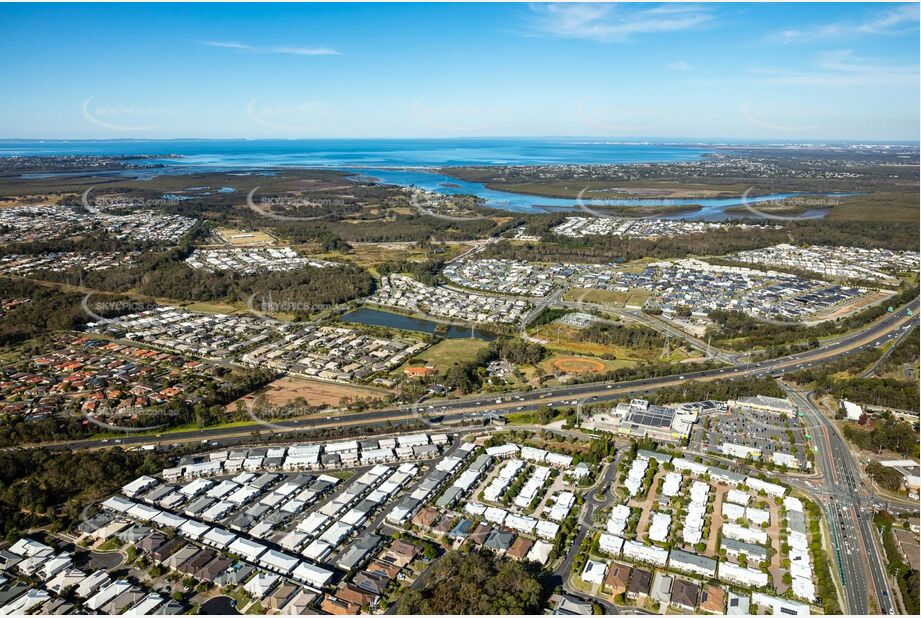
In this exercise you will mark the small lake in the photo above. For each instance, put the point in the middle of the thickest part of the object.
(219, 606)
(376, 317)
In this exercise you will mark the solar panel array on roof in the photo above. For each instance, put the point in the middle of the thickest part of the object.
(653, 416)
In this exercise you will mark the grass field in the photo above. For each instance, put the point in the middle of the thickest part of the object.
(854, 306)
(901, 206)
(577, 365)
(445, 353)
(223, 308)
(369, 255)
(564, 340)
(635, 297)
(13, 353)
(177, 429)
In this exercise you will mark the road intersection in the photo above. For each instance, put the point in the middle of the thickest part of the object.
(841, 493)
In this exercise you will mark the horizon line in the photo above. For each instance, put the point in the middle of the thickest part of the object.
(674, 139)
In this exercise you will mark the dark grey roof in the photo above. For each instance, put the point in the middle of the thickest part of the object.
(732, 476)
(448, 497)
(662, 457)
(480, 463)
(742, 546)
(264, 480)
(157, 492)
(796, 521)
(689, 558)
(358, 551)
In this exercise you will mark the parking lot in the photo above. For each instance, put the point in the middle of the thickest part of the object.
(764, 431)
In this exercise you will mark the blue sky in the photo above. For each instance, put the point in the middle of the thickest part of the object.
(776, 71)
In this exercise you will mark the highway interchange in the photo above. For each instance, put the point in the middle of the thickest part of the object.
(842, 495)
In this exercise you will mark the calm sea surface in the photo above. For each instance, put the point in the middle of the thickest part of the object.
(403, 162)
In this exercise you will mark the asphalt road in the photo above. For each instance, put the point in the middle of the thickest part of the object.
(562, 572)
(473, 408)
(885, 356)
(845, 500)
(846, 504)
(663, 327)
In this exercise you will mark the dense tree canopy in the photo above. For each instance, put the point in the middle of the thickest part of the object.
(48, 309)
(634, 337)
(888, 434)
(719, 391)
(475, 583)
(308, 287)
(40, 487)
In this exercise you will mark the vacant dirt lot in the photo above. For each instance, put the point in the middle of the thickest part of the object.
(316, 393)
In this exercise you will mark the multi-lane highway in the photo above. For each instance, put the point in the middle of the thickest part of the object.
(473, 408)
(846, 504)
(843, 496)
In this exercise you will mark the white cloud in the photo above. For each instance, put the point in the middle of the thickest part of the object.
(304, 51)
(227, 45)
(844, 68)
(614, 22)
(680, 65)
(275, 49)
(904, 18)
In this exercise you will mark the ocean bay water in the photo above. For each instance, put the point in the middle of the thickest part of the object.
(405, 162)
(384, 153)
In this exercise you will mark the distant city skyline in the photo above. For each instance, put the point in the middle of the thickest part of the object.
(779, 72)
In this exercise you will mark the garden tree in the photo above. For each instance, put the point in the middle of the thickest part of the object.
(424, 272)
(888, 433)
(397, 228)
(458, 377)
(906, 351)
(305, 290)
(884, 392)
(468, 376)
(518, 351)
(720, 391)
(645, 371)
(633, 337)
(334, 243)
(48, 309)
(869, 234)
(234, 384)
(888, 478)
(906, 576)
(826, 587)
(476, 583)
